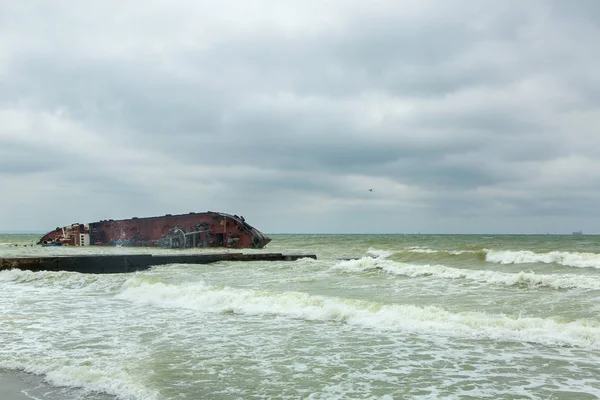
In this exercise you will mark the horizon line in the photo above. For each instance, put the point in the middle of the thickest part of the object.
(33, 232)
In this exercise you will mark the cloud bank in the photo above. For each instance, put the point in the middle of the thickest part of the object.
(462, 116)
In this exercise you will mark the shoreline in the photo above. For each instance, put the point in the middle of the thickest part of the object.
(20, 385)
(13, 386)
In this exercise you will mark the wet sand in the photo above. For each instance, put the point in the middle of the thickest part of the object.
(18, 385)
(15, 385)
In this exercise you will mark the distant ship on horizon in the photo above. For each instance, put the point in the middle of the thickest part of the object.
(577, 233)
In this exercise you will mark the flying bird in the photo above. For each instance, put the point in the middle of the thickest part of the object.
(370, 190)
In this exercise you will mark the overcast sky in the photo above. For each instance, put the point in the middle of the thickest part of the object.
(461, 116)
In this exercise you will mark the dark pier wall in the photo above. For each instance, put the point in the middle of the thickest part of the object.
(111, 264)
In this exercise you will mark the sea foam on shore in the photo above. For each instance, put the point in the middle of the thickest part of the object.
(18, 385)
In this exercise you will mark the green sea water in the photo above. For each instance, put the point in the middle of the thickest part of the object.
(374, 317)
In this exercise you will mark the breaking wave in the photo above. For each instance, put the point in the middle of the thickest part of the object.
(422, 254)
(426, 320)
(426, 250)
(530, 279)
(565, 258)
(63, 280)
(112, 380)
(578, 260)
(379, 253)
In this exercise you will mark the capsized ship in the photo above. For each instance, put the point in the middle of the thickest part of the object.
(206, 229)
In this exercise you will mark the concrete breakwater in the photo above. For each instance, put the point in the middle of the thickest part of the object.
(112, 264)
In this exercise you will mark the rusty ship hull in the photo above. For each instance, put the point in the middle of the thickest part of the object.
(192, 230)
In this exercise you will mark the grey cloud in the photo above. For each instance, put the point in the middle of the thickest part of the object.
(444, 100)
(18, 159)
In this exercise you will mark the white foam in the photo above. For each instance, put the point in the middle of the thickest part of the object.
(570, 259)
(9, 275)
(109, 379)
(409, 318)
(380, 253)
(427, 250)
(359, 265)
(424, 250)
(556, 281)
(115, 381)
(63, 279)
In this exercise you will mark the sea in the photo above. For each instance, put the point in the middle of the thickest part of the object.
(373, 317)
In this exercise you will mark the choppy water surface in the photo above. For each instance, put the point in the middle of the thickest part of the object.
(423, 316)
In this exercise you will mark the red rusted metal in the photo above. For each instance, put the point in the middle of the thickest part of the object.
(208, 229)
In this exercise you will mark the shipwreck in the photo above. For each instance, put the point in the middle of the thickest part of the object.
(205, 229)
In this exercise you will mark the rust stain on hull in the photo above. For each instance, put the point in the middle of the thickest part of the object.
(206, 229)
